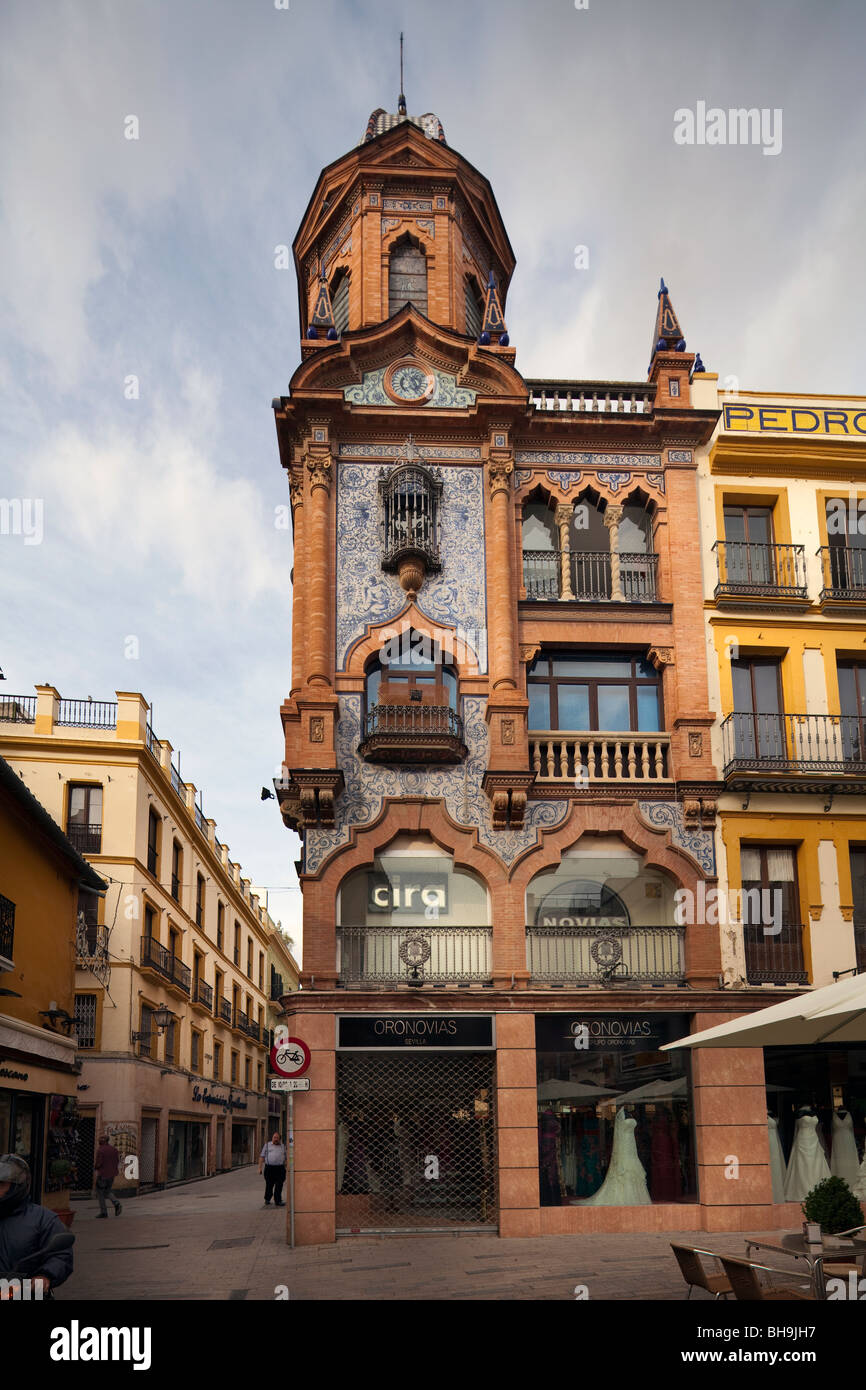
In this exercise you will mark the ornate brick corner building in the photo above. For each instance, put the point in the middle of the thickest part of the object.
(497, 746)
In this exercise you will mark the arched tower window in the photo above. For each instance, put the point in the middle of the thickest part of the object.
(474, 307)
(410, 517)
(340, 300)
(407, 276)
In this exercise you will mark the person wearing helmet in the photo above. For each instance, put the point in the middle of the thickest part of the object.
(26, 1228)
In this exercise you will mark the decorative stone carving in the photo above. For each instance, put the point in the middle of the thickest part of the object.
(499, 475)
(661, 657)
(529, 651)
(508, 731)
(296, 488)
(319, 468)
(708, 814)
(317, 728)
(696, 743)
(500, 809)
(691, 813)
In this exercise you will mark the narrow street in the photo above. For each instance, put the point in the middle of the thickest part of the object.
(216, 1240)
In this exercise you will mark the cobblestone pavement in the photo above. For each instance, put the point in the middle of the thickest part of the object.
(216, 1240)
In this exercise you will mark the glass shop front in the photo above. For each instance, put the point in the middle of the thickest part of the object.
(615, 1122)
(816, 1114)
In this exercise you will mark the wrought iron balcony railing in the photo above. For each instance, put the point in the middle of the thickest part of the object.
(7, 932)
(87, 839)
(202, 993)
(843, 569)
(165, 963)
(410, 499)
(817, 743)
(225, 1011)
(589, 758)
(88, 714)
(18, 709)
(585, 956)
(415, 733)
(590, 576)
(414, 956)
(775, 959)
(747, 570)
(241, 1021)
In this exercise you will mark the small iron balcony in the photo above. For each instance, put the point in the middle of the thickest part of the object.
(751, 571)
(794, 743)
(593, 576)
(586, 956)
(843, 569)
(775, 959)
(415, 733)
(414, 956)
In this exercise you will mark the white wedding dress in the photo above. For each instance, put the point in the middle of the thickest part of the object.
(777, 1160)
(860, 1184)
(807, 1164)
(625, 1181)
(845, 1161)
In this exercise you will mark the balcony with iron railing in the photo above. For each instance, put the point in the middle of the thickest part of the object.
(87, 839)
(225, 1011)
(18, 709)
(202, 994)
(414, 733)
(87, 714)
(241, 1021)
(153, 744)
(391, 957)
(7, 932)
(166, 964)
(843, 572)
(775, 957)
(591, 397)
(795, 743)
(605, 955)
(589, 576)
(596, 758)
(749, 571)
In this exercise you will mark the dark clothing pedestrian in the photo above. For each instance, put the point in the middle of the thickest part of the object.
(26, 1229)
(273, 1159)
(107, 1166)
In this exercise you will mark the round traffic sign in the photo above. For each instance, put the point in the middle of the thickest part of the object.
(290, 1058)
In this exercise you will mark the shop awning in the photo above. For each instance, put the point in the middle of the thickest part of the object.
(834, 1013)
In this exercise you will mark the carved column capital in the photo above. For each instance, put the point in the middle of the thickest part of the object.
(319, 467)
(296, 487)
(612, 514)
(499, 476)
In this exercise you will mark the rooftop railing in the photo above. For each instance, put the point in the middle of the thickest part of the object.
(594, 398)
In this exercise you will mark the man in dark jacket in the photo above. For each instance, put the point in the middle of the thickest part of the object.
(26, 1228)
(107, 1166)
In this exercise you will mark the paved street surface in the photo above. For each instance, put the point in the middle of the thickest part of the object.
(215, 1240)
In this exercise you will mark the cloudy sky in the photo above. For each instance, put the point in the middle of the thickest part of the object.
(154, 258)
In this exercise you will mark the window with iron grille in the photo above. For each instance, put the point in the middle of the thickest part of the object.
(340, 300)
(249, 957)
(248, 1073)
(407, 276)
(261, 969)
(150, 923)
(234, 1071)
(221, 917)
(85, 1021)
(148, 1028)
(195, 1050)
(176, 870)
(84, 820)
(170, 1053)
(199, 900)
(153, 843)
(474, 307)
(217, 1061)
(237, 950)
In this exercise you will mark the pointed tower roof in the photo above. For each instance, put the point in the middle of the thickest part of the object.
(382, 120)
(493, 321)
(668, 336)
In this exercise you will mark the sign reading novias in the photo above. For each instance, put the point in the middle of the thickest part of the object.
(471, 1032)
(796, 419)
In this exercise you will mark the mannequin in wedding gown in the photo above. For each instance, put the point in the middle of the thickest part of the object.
(625, 1181)
(859, 1186)
(777, 1160)
(845, 1162)
(807, 1164)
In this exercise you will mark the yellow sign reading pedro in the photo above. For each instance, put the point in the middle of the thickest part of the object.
(795, 419)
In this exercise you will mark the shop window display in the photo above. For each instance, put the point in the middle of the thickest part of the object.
(816, 1114)
(614, 1111)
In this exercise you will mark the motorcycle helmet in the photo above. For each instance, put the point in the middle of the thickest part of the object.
(15, 1171)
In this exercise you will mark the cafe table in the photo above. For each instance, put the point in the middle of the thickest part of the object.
(831, 1250)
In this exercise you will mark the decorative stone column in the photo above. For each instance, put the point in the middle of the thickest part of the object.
(296, 495)
(612, 518)
(502, 652)
(319, 468)
(563, 516)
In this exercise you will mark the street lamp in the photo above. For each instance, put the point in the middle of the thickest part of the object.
(163, 1017)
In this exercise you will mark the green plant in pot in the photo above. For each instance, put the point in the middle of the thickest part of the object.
(833, 1205)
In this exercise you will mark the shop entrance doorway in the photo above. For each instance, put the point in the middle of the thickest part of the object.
(147, 1167)
(416, 1142)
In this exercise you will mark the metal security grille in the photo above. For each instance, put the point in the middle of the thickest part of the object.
(416, 1141)
(85, 1152)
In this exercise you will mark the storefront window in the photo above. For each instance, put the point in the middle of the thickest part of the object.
(187, 1150)
(413, 883)
(816, 1114)
(614, 1111)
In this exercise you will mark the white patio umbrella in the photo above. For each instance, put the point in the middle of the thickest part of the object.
(573, 1090)
(834, 1013)
(664, 1088)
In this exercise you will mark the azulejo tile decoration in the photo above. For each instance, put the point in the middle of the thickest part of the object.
(445, 395)
(569, 458)
(455, 597)
(432, 452)
(668, 815)
(367, 785)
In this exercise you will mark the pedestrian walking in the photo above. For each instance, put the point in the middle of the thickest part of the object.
(272, 1162)
(107, 1166)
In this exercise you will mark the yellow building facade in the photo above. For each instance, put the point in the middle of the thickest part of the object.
(174, 1002)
